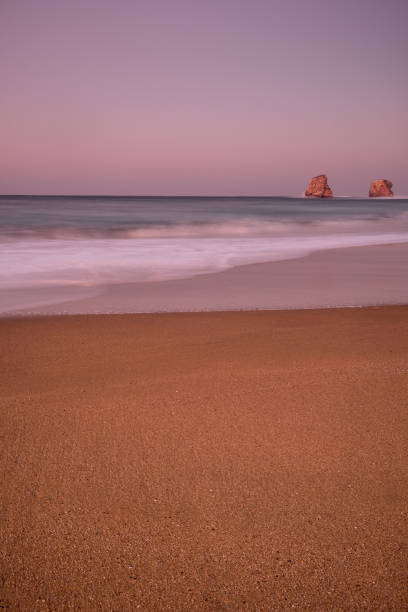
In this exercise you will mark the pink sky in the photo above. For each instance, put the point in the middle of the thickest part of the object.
(202, 96)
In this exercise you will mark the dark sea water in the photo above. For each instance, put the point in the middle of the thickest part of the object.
(93, 241)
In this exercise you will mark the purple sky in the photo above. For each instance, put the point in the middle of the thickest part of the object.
(202, 96)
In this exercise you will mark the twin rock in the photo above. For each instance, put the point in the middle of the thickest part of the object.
(318, 188)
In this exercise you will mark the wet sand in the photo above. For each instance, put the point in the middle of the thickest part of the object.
(205, 461)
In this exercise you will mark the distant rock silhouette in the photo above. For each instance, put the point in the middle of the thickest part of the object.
(318, 187)
(381, 189)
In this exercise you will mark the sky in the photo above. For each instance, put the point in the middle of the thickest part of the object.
(225, 97)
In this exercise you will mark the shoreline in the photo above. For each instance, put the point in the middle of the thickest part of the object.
(196, 313)
(333, 278)
(182, 461)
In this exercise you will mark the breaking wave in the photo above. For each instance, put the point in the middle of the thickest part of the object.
(91, 242)
(244, 227)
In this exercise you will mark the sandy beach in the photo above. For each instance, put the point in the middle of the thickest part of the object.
(205, 461)
(204, 306)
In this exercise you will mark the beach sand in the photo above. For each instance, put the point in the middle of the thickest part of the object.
(205, 461)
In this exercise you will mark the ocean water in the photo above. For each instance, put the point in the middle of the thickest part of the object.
(89, 242)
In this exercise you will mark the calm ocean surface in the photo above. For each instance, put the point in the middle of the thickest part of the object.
(94, 241)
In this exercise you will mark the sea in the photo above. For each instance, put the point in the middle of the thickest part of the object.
(63, 242)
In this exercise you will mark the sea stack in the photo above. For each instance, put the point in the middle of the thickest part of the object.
(381, 189)
(318, 187)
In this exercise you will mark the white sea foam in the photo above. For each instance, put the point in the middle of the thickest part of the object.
(47, 262)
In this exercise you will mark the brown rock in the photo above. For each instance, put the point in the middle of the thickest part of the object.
(318, 187)
(381, 189)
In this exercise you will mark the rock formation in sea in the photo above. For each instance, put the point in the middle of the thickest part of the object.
(318, 187)
(380, 189)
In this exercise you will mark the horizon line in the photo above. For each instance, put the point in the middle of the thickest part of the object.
(96, 195)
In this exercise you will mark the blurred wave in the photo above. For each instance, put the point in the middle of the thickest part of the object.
(95, 241)
(97, 262)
